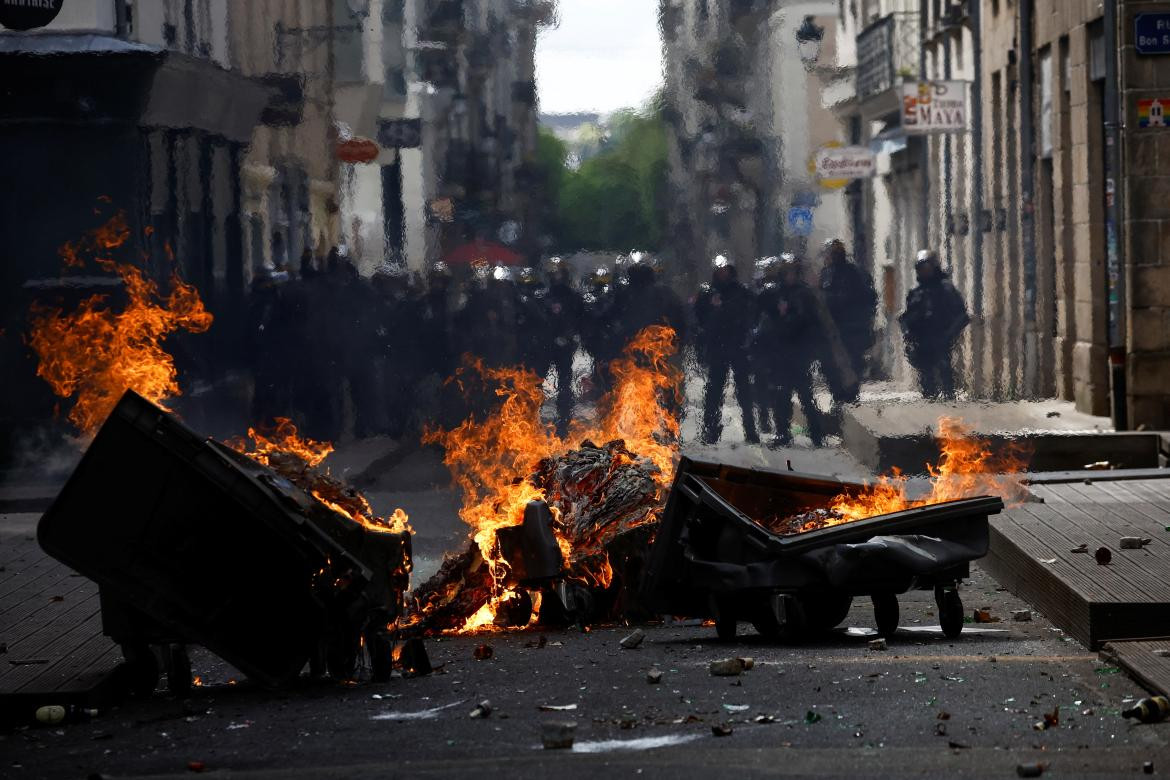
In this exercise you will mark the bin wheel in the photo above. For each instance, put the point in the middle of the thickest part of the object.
(178, 668)
(341, 657)
(950, 610)
(381, 652)
(726, 619)
(802, 615)
(139, 672)
(824, 612)
(885, 613)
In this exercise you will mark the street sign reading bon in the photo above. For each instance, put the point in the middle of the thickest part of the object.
(1151, 33)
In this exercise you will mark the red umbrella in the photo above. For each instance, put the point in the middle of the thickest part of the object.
(490, 251)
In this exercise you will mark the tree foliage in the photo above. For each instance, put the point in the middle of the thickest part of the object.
(614, 200)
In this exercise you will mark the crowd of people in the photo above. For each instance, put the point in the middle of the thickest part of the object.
(394, 338)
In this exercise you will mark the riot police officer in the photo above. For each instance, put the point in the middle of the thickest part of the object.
(790, 338)
(597, 332)
(724, 314)
(935, 315)
(561, 315)
(851, 300)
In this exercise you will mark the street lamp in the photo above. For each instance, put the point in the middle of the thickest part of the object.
(808, 40)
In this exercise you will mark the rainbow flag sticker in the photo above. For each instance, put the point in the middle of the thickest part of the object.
(1151, 112)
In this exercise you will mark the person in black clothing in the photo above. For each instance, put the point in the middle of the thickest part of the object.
(436, 335)
(596, 330)
(935, 316)
(724, 313)
(486, 323)
(790, 339)
(645, 301)
(562, 315)
(399, 352)
(267, 346)
(531, 334)
(851, 300)
(307, 313)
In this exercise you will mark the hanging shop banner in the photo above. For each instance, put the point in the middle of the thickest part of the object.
(934, 107)
(835, 163)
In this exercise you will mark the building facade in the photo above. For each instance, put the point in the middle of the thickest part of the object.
(473, 62)
(744, 99)
(1021, 202)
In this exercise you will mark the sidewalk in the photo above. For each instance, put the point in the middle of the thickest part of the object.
(891, 428)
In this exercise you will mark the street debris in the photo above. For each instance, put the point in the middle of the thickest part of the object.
(1161, 653)
(727, 667)
(1133, 542)
(812, 717)
(1080, 548)
(1153, 709)
(196, 766)
(1103, 556)
(983, 615)
(1148, 767)
(642, 743)
(537, 643)
(558, 735)
(721, 730)
(765, 719)
(633, 640)
(654, 676)
(482, 710)
(1051, 720)
(737, 707)
(482, 652)
(1033, 769)
(50, 714)
(427, 714)
(1022, 615)
(557, 707)
(878, 644)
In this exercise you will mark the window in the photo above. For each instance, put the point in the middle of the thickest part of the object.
(1065, 68)
(1097, 51)
(395, 82)
(1044, 129)
(347, 44)
(392, 11)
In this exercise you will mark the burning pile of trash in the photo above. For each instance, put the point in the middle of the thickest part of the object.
(556, 530)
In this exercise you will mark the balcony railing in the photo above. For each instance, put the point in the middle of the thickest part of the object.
(887, 53)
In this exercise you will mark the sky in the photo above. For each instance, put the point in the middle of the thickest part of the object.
(603, 55)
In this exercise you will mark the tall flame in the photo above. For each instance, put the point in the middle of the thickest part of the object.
(489, 458)
(967, 466)
(95, 353)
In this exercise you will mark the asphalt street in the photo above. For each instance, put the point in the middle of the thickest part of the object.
(924, 707)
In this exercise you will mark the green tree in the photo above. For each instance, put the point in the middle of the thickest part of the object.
(615, 200)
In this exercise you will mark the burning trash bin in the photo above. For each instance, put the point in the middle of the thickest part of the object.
(194, 543)
(766, 547)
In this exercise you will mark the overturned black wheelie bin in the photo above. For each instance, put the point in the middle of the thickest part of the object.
(715, 557)
(192, 543)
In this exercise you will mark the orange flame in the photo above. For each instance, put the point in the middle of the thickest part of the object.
(966, 467)
(297, 458)
(489, 459)
(96, 353)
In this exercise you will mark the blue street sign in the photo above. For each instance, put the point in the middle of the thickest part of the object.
(800, 221)
(1151, 33)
